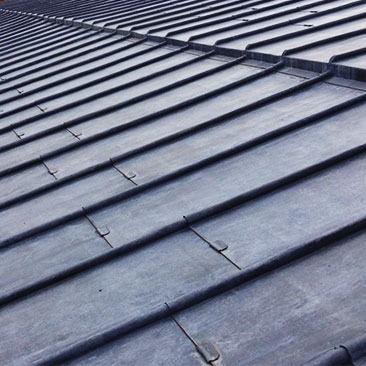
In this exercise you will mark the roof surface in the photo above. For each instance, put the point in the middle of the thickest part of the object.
(182, 182)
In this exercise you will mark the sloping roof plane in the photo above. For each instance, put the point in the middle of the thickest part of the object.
(182, 182)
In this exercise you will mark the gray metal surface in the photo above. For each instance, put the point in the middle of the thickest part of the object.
(182, 182)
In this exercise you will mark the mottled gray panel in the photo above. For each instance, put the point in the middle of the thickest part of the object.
(331, 134)
(290, 315)
(224, 180)
(99, 87)
(297, 25)
(47, 49)
(62, 201)
(270, 85)
(37, 42)
(50, 105)
(134, 75)
(24, 181)
(166, 10)
(147, 106)
(277, 48)
(287, 316)
(246, 127)
(31, 150)
(355, 61)
(114, 292)
(194, 19)
(281, 221)
(75, 60)
(8, 137)
(324, 52)
(41, 256)
(44, 63)
(161, 344)
(24, 64)
(20, 116)
(8, 94)
(213, 27)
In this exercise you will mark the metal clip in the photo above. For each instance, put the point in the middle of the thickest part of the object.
(42, 109)
(208, 351)
(130, 175)
(101, 230)
(219, 245)
(50, 170)
(75, 134)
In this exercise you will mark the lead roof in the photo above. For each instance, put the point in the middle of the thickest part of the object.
(182, 182)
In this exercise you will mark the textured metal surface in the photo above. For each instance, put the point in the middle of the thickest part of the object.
(182, 182)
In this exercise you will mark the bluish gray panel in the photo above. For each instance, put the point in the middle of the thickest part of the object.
(231, 27)
(194, 89)
(329, 134)
(117, 291)
(279, 47)
(62, 201)
(281, 221)
(137, 110)
(24, 152)
(8, 138)
(290, 315)
(324, 53)
(24, 181)
(253, 124)
(18, 62)
(43, 47)
(11, 73)
(355, 61)
(101, 86)
(211, 13)
(168, 201)
(297, 25)
(48, 253)
(161, 344)
(140, 88)
(224, 180)
(108, 44)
